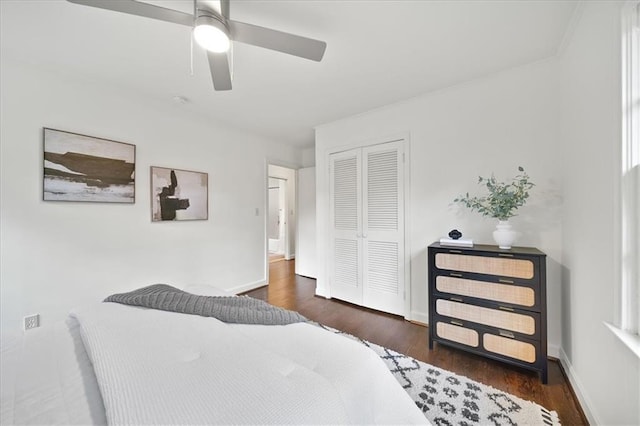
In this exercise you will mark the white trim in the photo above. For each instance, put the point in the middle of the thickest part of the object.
(365, 143)
(632, 341)
(578, 389)
(321, 291)
(421, 317)
(265, 220)
(553, 351)
(406, 159)
(626, 320)
(247, 287)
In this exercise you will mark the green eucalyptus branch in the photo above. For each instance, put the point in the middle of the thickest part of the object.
(503, 199)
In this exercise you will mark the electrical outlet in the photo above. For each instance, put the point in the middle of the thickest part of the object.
(31, 321)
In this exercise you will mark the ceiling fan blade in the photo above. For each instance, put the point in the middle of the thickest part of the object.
(146, 10)
(277, 40)
(220, 72)
(224, 6)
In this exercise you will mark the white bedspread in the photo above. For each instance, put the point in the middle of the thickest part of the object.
(47, 379)
(156, 367)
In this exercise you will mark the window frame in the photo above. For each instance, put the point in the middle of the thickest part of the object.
(626, 325)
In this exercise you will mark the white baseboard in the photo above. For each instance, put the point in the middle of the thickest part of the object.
(553, 351)
(291, 257)
(584, 401)
(320, 292)
(246, 287)
(419, 317)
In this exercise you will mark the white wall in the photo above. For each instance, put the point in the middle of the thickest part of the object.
(490, 125)
(604, 372)
(309, 157)
(56, 255)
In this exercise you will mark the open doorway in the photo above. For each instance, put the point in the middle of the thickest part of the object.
(277, 221)
(281, 214)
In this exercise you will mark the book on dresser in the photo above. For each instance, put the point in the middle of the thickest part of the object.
(491, 302)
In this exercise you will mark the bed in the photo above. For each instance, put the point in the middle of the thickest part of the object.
(110, 363)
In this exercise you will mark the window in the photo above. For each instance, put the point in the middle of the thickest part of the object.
(629, 295)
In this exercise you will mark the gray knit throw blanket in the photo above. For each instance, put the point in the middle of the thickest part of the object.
(230, 309)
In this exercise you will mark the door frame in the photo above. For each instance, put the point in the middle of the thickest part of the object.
(404, 139)
(283, 227)
(290, 213)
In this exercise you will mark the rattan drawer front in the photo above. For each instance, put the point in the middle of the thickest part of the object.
(516, 268)
(458, 334)
(523, 351)
(513, 321)
(505, 293)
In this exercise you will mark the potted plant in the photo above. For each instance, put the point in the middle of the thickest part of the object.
(501, 202)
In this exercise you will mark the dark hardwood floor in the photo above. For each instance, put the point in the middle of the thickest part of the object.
(297, 293)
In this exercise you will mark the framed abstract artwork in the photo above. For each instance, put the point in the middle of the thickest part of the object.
(178, 195)
(85, 168)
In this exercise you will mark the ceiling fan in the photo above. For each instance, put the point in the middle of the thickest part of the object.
(214, 31)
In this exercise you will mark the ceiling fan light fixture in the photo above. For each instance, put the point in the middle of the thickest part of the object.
(213, 30)
(211, 34)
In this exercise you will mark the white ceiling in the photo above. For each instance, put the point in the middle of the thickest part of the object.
(378, 52)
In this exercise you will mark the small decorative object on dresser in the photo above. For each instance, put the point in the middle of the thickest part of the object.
(455, 234)
(455, 239)
(491, 303)
(501, 203)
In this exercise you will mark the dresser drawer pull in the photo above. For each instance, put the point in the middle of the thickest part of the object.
(506, 281)
(508, 334)
(505, 308)
(453, 274)
(455, 251)
(458, 323)
(505, 255)
(456, 299)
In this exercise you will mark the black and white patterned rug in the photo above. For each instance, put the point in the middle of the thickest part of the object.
(446, 398)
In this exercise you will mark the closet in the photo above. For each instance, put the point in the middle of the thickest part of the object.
(367, 259)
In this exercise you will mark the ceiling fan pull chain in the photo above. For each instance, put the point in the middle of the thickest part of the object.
(231, 61)
(195, 9)
(191, 59)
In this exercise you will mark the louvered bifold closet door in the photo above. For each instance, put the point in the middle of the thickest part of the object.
(346, 226)
(383, 227)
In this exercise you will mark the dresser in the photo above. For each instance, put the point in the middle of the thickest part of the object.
(491, 302)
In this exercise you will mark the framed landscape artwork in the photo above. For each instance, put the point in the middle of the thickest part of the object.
(85, 168)
(178, 195)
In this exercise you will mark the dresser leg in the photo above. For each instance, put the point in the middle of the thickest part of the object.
(544, 376)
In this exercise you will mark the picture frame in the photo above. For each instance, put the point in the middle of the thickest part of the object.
(178, 195)
(85, 168)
